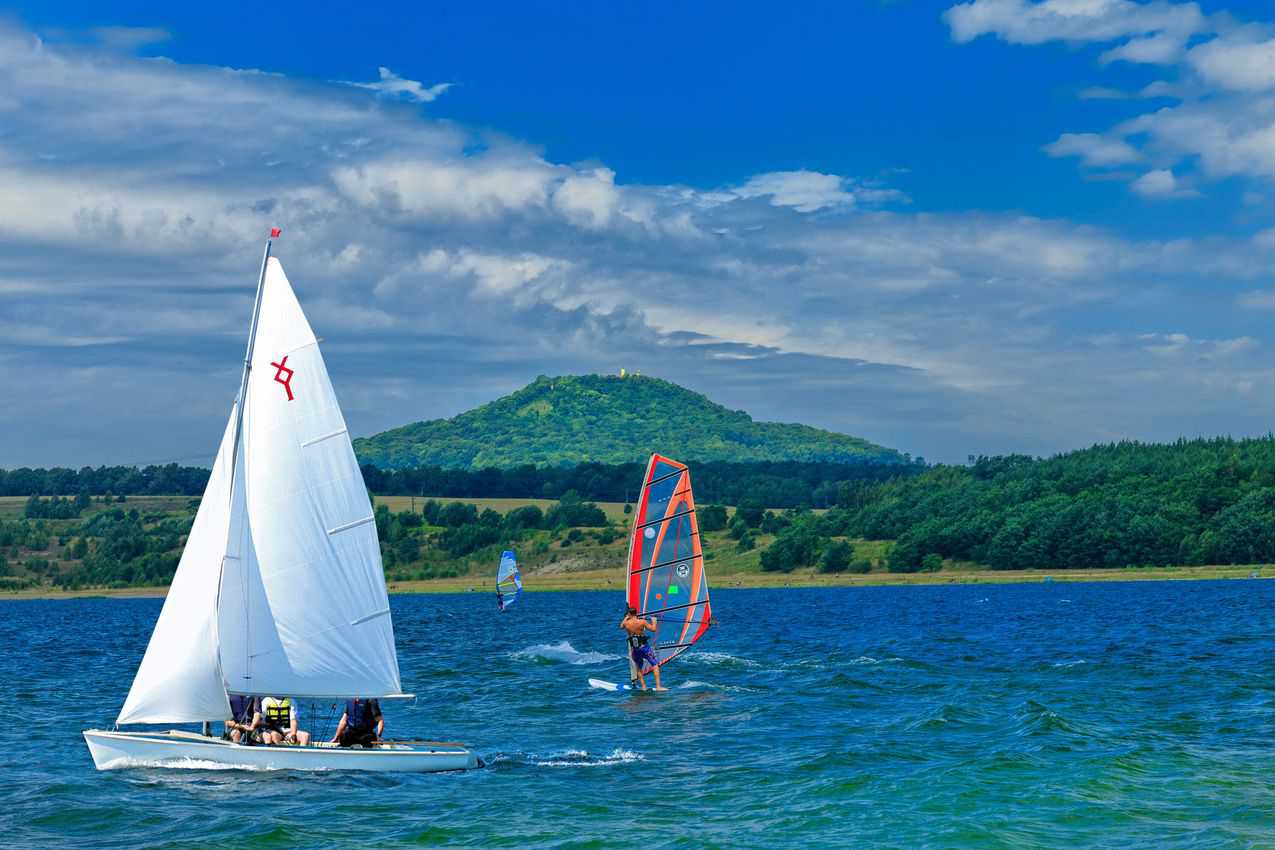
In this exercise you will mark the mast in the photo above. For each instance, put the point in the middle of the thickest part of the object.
(239, 407)
(247, 358)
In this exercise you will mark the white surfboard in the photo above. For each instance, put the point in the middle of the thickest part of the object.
(609, 686)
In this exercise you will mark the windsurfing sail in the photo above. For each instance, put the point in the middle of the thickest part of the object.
(667, 579)
(508, 580)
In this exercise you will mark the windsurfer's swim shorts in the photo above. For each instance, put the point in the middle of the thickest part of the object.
(644, 653)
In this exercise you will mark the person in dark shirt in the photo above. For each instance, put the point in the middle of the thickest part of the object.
(362, 724)
(244, 725)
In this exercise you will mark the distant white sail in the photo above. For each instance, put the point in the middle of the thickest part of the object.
(179, 680)
(311, 523)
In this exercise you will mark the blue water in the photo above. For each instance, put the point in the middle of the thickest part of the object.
(1048, 715)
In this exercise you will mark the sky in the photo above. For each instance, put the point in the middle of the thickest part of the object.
(951, 228)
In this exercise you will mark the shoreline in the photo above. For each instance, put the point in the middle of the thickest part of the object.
(601, 580)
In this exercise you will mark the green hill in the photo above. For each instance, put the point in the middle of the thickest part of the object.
(606, 419)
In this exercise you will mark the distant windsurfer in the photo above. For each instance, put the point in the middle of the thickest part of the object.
(640, 646)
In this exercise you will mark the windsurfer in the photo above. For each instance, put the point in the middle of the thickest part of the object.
(640, 646)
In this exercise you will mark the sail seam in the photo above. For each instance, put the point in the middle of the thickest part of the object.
(336, 433)
(664, 477)
(666, 563)
(674, 608)
(372, 616)
(350, 525)
(665, 519)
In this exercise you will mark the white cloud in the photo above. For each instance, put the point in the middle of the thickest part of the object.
(1246, 66)
(1025, 22)
(1160, 183)
(804, 191)
(394, 86)
(1223, 124)
(469, 188)
(1160, 49)
(589, 200)
(1094, 149)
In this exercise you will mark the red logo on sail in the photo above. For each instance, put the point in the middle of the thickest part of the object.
(281, 367)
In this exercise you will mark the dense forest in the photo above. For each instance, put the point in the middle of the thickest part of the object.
(1125, 504)
(606, 419)
(777, 485)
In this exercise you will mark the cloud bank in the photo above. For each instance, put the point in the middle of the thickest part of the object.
(444, 266)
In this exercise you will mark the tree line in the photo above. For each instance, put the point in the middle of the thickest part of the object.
(775, 484)
(1206, 501)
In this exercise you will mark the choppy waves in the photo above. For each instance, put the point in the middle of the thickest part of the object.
(564, 652)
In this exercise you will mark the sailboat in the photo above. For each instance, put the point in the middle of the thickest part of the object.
(508, 580)
(666, 578)
(280, 590)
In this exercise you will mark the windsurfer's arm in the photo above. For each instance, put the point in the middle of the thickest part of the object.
(650, 624)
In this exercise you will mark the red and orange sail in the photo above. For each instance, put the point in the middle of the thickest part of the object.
(667, 579)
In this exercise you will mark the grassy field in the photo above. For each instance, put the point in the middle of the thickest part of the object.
(551, 560)
(612, 580)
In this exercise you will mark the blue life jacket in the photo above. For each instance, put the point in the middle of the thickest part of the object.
(361, 714)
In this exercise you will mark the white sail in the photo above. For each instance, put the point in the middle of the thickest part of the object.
(313, 534)
(179, 680)
(245, 625)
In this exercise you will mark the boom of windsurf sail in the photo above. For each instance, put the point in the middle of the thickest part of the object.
(667, 579)
(508, 580)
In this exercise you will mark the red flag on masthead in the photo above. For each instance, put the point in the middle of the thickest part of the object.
(275, 232)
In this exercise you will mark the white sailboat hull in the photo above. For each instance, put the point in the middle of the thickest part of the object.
(176, 749)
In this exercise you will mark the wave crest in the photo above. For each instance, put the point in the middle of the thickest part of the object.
(563, 651)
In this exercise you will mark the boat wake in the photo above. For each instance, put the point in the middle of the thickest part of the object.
(564, 652)
(696, 684)
(583, 758)
(181, 764)
(719, 658)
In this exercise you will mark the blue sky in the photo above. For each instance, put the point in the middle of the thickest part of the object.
(998, 225)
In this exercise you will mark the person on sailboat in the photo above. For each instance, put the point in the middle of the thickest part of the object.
(640, 645)
(361, 724)
(279, 722)
(244, 725)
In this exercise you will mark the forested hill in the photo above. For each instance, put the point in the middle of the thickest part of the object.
(1126, 504)
(606, 419)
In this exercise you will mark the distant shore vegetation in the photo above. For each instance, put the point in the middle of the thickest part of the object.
(1190, 503)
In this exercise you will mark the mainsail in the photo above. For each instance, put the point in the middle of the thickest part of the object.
(667, 579)
(508, 580)
(280, 589)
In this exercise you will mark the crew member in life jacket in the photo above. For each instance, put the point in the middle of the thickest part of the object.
(362, 723)
(640, 645)
(279, 722)
(244, 725)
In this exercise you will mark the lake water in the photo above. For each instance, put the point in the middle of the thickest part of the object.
(1047, 715)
